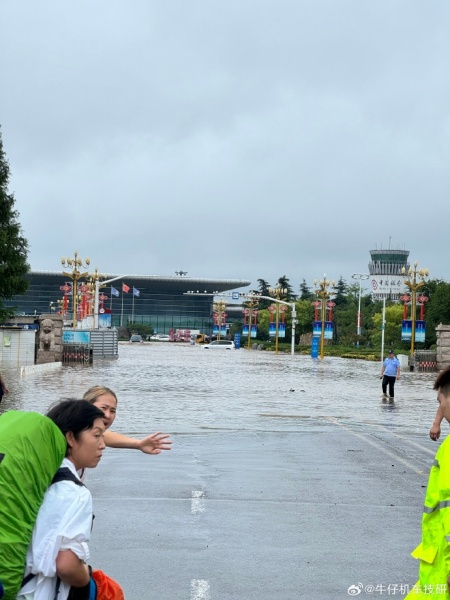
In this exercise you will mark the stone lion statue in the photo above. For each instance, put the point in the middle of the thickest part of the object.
(47, 336)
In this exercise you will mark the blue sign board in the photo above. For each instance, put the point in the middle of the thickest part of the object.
(76, 337)
(237, 340)
(315, 347)
(419, 335)
(420, 331)
(235, 295)
(327, 332)
(406, 330)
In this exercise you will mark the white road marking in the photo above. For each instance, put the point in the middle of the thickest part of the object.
(197, 505)
(376, 445)
(200, 589)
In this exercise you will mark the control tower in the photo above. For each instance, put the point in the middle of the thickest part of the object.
(385, 270)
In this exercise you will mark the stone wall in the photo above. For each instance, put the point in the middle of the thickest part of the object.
(443, 346)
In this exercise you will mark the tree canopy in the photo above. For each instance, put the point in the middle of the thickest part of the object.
(13, 246)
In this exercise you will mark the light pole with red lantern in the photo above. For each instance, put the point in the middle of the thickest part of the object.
(359, 277)
(414, 280)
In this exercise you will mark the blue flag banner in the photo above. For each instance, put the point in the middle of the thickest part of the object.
(406, 330)
(254, 331)
(272, 329)
(215, 329)
(245, 330)
(281, 330)
(419, 334)
(114, 292)
(136, 292)
(327, 332)
(317, 328)
(420, 331)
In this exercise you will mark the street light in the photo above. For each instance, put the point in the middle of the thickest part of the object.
(74, 263)
(323, 294)
(277, 292)
(415, 280)
(252, 303)
(360, 277)
(219, 308)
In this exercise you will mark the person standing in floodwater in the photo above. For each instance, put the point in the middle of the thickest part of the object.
(390, 372)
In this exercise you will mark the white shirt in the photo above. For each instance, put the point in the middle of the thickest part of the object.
(64, 522)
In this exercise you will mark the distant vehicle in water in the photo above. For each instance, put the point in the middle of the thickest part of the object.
(136, 338)
(201, 338)
(220, 345)
(160, 337)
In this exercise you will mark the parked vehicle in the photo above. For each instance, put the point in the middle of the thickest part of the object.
(160, 337)
(136, 338)
(220, 345)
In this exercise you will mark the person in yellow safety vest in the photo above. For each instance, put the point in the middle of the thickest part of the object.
(434, 550)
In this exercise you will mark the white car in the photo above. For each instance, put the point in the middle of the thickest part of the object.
(160, 337)
(220, 345)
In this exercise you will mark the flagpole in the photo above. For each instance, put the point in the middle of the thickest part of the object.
(121, 313)
(97, 288)
(132, 312)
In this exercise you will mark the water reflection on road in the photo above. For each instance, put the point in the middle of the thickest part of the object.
(184, 388)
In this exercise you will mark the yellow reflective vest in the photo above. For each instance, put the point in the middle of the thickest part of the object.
(434, 550)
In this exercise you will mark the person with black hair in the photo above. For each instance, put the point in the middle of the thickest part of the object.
(3, 387)
(57, 555)
(434, 550)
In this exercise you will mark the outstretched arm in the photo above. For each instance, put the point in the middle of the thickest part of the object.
(152, 444)
(435, 430)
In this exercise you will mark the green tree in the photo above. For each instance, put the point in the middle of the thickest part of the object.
(393, 326)
(305, 316)
(284, 283)
(13, 246)
(263, 290)
(305, 292)
(437, 309)
(340, 292)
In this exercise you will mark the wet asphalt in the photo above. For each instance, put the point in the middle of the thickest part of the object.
(239, 515)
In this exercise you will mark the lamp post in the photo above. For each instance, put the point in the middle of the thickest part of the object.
(360, 277)
(277, 292)
(251, 304)
(323, 293)
(75, 263)
(414, 280)
(219, 309)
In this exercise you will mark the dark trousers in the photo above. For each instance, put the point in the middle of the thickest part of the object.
(388, 380)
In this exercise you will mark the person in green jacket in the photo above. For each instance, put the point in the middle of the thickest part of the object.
(434, 550)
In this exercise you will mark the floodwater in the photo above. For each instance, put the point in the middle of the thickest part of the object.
(180, 388)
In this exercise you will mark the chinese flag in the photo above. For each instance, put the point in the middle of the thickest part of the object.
(125, 288)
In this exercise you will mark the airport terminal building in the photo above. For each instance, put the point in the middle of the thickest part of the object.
(162, 302)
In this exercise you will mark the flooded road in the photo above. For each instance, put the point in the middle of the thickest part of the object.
(288, 478)
(183, 388)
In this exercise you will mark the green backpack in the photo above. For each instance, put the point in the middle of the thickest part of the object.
(32, 448)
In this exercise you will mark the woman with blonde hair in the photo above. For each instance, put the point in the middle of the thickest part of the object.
(106, 400)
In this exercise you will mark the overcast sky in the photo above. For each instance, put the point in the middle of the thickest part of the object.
(241, 139)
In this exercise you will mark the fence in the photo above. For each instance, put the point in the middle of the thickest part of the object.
(425, 361)
(77, 354)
